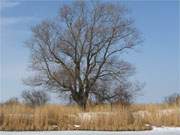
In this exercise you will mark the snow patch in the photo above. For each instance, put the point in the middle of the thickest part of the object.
(155, 131)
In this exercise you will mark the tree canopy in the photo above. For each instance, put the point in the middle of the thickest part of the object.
(81, 48)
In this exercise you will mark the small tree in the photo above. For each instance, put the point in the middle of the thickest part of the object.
(12, 101)
(35, 98)
(173, 99)
(124, 92)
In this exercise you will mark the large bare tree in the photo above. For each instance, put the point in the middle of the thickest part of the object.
(81, 46)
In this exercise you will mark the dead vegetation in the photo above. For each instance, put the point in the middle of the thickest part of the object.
(100, 117)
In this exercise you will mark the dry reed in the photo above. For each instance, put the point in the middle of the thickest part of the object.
(101, 117)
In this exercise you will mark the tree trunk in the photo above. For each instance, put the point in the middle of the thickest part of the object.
(83, 105)
(81, 100)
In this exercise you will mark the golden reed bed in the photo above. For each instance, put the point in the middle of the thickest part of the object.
(100, 117)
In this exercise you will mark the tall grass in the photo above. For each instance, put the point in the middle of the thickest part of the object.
(159, 114)
(100, 117)
(21, 117)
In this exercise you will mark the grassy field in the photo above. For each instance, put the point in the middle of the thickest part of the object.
(98, 117)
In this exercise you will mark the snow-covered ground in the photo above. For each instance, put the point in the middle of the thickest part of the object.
(155, 131)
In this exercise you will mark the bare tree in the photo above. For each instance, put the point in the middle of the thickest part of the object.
(123, 93)
(81, 46)
(35, 98)
(126, 92)
(173, 99)
(12, 101)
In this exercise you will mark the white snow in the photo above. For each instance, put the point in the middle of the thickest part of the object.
(77, 126)
(158, 112)
(155, 131)
(90, 115)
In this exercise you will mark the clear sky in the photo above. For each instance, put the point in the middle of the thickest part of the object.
(157, 60)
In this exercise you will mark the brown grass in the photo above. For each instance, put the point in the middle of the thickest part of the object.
(160, 114)
(100, 117)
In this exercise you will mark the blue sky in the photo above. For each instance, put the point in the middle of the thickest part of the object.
(157, 60)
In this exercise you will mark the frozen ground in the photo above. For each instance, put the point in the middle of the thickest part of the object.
(155, 131)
